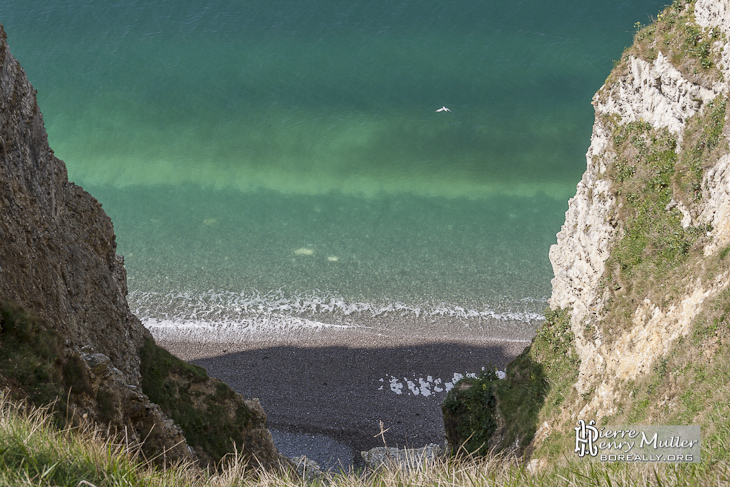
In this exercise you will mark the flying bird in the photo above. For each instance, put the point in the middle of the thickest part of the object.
(443, 109)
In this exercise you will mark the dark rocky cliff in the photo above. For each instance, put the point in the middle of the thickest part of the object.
(64, 309)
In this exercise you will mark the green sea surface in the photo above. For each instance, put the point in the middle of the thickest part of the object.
(292, 151)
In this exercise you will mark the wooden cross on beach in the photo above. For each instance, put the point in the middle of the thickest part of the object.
(382, 433)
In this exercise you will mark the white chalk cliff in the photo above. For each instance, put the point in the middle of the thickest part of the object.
(667, 97)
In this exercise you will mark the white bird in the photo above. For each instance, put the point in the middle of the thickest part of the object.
(443, 109)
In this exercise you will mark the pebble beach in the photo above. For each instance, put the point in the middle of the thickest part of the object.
(326, 392)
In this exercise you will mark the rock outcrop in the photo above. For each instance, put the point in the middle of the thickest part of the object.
(58, 262)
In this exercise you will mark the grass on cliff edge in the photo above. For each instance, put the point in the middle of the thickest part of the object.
(34, 452)
(33, 362)
(676, 34)
(659, 254)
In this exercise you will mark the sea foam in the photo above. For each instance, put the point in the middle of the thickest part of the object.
(225, 316)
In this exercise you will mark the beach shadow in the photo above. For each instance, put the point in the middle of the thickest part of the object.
(344, 392)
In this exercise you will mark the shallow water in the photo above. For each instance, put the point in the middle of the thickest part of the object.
(285, 159)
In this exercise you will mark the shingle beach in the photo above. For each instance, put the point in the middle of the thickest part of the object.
(326, 392)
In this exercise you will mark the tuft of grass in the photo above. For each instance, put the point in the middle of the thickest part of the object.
(676, 34)
(680, 39)
(34, 452)
(704, 144)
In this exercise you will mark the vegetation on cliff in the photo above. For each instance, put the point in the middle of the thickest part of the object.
(35, 366)
(660, 314)
(655, 259)
(651, 180)
(675, 34)
(489, 413)
(212, 416)
(33, 363)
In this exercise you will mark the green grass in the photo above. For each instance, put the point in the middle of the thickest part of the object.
(653, 238)
(677, 36)
(35, 365)
(651, 180)
(470, 414)
(675, 33)
(703, 141)
(540, 379)
(35, 452)
(537, 383)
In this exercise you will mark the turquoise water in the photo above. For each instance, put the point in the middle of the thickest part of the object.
(285, 158)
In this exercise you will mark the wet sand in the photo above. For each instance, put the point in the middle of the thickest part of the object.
(326, 392)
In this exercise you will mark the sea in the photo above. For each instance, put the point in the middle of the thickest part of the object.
(277, 164)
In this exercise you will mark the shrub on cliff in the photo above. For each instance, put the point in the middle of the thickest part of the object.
(214, 419)
(33, 361)
(487, 412)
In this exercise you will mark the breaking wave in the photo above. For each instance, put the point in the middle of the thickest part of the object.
(226, 314)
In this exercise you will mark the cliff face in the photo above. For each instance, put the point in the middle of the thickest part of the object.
(639, 326)
(58, 251)
(58, 262)
(639, 262)
(658, 93)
